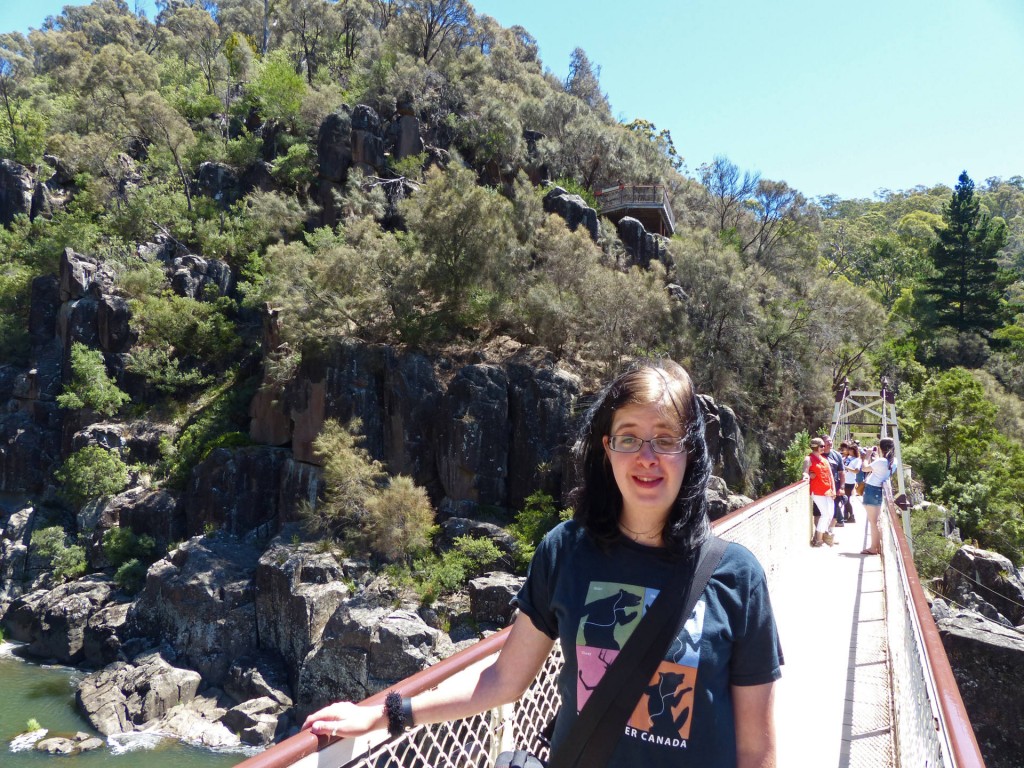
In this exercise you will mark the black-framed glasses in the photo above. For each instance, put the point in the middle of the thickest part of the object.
(633, 444)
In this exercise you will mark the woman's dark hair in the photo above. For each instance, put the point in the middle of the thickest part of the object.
(887, 447)
(597, 501)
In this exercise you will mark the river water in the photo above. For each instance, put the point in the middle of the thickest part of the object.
(47, 694)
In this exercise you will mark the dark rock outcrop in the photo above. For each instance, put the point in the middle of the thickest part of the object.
(977, 576)
(53, 622)
(490, 597)
(235, 490)
(83, 275)
(17, 188)
(987, 659)
(297, 592)
(474, 440)
(642, 246)
(27, 453)
(725, 442)
(219, 182)
(203, 279)
(199, 600)
(364, 650)
(125, 696)
(573, 209)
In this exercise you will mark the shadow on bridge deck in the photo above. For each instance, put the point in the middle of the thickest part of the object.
(833, 703)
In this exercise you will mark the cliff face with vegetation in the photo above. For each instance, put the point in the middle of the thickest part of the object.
(336, 269)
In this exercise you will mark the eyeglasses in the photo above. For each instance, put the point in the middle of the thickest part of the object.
(632, 444)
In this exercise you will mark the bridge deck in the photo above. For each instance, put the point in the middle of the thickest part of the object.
(833, 705)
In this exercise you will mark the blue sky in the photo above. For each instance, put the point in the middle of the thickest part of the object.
(844, 98)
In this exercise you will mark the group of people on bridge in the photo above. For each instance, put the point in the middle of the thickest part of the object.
(836, 476)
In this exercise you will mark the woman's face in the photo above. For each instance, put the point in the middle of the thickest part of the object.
(649, 482)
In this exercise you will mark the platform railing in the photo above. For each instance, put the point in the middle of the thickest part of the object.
(930, 721)
(626, 196)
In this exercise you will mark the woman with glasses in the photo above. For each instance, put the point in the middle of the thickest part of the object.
(640, 515)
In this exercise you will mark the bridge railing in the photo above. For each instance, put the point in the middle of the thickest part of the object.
(768, 527)
(931, 724)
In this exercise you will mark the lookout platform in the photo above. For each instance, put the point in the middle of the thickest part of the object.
(649, 204)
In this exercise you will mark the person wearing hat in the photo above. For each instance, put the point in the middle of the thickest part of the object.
(823, 492)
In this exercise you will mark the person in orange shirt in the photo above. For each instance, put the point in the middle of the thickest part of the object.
(823, 492)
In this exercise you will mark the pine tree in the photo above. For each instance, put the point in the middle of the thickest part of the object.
(967, 286)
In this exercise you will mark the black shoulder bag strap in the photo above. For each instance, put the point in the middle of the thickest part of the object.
(603, 718)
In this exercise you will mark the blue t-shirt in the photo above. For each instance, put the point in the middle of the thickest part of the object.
(591, 600)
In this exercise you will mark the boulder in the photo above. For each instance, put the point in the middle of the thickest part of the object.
(256, 721)
(158, 513)
(202, 279)
(454, 527)
(473, 440)
(53, 622)
(56, 745)
(219, 182)
(101, 641)
(367, 140)
(490, 597)
(573, 209)
(403, 137)
(235, 490)
(988, 663)
(199, 599)
(113, 324)
(991, 578)
(125, 696)
(364, 650)
(297, 592)
(334, 146)
(725, 442)
(642, 246)
(83, 275)
(16, 191)
(254, 677)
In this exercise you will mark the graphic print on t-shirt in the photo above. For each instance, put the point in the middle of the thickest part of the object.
(611, 613)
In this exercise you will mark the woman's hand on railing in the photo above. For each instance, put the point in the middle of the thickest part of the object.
(345, 719)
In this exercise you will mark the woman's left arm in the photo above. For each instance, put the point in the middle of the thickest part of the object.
(754, 712)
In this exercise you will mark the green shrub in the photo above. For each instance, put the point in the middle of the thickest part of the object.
(90, 386)
(131, 576)
(91, 473)
(538, 516)
(932, 550)
(32, 725)
(793, 459)
(67, 561)
(120, 545)
(399, 520)
(436, 575)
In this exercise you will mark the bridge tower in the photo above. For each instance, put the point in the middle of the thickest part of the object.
(867, 416)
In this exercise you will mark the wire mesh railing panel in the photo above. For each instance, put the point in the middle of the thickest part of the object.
(467, 743)
(538, 707)
(919, 737)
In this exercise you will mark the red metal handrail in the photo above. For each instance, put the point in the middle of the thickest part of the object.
(305, 743)
(962, 741)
